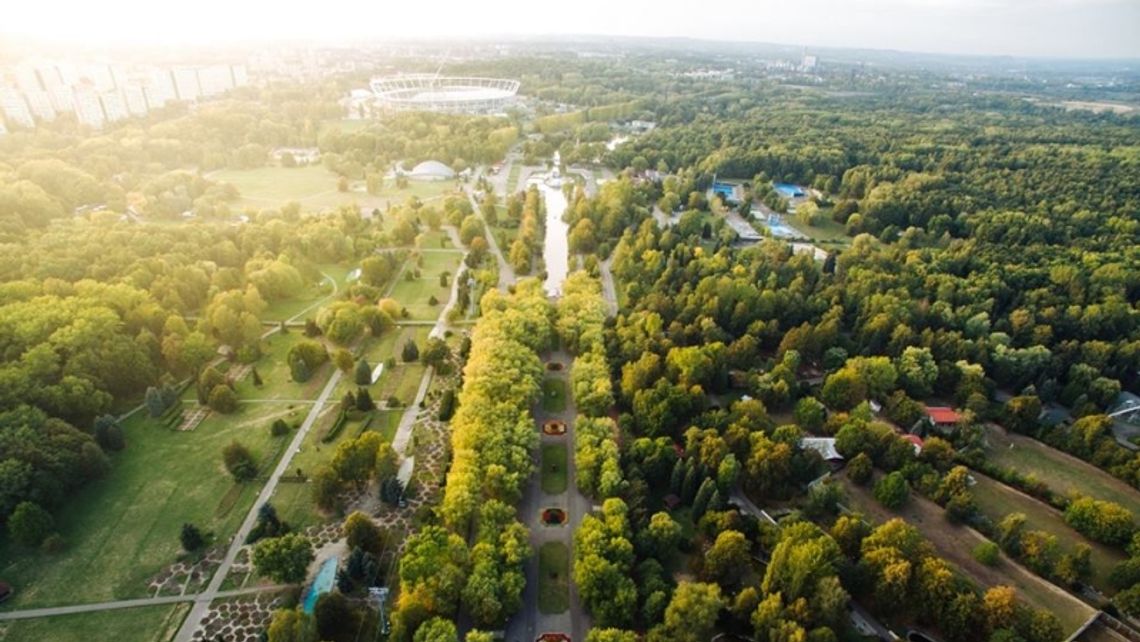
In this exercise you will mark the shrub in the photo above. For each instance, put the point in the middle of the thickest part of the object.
(410, 352)
(191, 538)
(859, 469)
(30, 524)
(279, 427)
(987, 553)
(363, 374)
(1102, 521)
(239, 462)
(892, 491)
(222, 399)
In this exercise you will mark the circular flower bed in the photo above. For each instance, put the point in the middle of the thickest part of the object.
(553, 517)
(554, 427)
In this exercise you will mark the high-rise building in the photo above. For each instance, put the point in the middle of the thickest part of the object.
(100, 75)
(241, 75)
(88, 108)
(15, 108)
(135, 97)
(27, 80)
(160, 89)
(114, 107)
(39, 101)
(215, 79)
(186, 83)
(62, 98)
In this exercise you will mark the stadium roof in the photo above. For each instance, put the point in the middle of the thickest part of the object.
(432, 169)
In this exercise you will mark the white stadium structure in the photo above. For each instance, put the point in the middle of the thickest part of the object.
(453, 94)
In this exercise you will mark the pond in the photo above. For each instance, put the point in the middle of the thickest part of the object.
(322, 584)
(555, 249)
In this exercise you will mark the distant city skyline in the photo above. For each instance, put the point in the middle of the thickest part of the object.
(1031, 28)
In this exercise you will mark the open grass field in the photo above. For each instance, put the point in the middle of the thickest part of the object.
(277, 381)
(513, 178)
(123, 529)
(955, 543)
(553, 394)
(315, 188)
(415, 295)
(308, 301)
(1060, 471)
(826, 231)
(554, 468)
(144, 624)
(553, 578)
(996, 500)
(404, 379)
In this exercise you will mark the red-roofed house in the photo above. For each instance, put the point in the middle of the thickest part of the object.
(942, 417)
(916, 441)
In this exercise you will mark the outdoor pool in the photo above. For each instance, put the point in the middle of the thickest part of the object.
(787, 190)
(322, 584)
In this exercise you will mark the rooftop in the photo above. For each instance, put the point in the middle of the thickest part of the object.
(942, 414)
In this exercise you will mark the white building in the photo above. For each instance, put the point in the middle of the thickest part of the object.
(215, 79)
(114, 106)
(62, 98)
(88, 108)
(15, 108)
(186, 83)
(809, 62)
(241, 75)
(39, 102)
(135, 97)
(100, 75)
(160, 89)
(27, 80)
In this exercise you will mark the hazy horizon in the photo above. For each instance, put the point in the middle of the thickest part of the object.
(1076, 29)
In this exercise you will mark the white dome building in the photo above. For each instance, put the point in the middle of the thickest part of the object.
(431, 170)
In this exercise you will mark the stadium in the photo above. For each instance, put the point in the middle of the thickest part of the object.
(452, 94)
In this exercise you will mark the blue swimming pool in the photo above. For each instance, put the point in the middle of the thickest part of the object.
(322, 584)
(787, 190)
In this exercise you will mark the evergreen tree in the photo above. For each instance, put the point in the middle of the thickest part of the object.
(191, 538)
(701, 502)
(363, 374)
(364, 400)
(692, 480)
(257, 382)
(677, 478)
(410, 352)
(154, 404)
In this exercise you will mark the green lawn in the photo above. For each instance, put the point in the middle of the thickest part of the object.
(513, 178)
(553, 578)
(277, 381)
(415, 295)
(1061, 472)
(309, 297)
(826, 231)
(402, 381)
(553, 394)
(144, 624)
(997, 500)
(123, 529)
(554, 469)
(315, 188)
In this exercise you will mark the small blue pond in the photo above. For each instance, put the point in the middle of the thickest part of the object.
(787, 190)
(322, 584)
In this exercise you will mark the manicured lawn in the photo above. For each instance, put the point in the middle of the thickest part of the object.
(402, 380)
(997, 500)
(955, 544)
(1061, 472)
(315, 188)
(144, 624)
(415, 295)
(123, 529)
(553, 395)
(553, 469)
(435, 240)
(827, 230)
(553, 578)
(313, 294)
(513, 178)
(277, 381)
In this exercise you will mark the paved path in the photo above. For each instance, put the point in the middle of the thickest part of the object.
(202, 605)
(529, 622)
(506, 272)
(26, 614)
(403, 434)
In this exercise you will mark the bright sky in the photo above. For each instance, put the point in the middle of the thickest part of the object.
(1053, 28)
